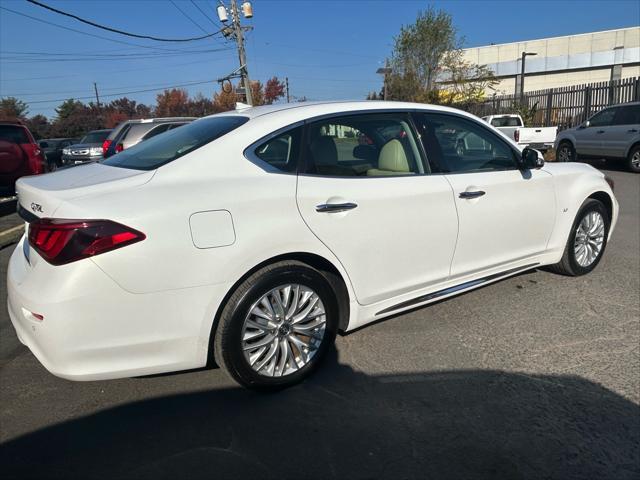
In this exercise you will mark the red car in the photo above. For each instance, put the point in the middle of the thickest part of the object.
(20, 155)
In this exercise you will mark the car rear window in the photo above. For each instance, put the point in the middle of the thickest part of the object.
(95, 137)
(166, 148)
(13, 134)
(506, 122)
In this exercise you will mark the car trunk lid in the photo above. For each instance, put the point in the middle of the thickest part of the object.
(41, 196)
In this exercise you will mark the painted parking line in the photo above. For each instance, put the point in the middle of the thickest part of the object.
(11, 235)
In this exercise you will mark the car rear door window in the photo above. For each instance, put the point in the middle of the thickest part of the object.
(176, 143)
(454, 144)
(371, 145)
(627, 115)
(281, 151)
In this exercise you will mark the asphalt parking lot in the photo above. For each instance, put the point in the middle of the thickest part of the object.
(537, 376)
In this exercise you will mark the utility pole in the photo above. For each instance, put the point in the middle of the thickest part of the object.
(524, 57)
(386, 70)
(286, 83)
(236, 32)
(95, 87)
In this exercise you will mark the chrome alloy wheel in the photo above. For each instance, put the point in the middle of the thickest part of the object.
(635, 160)
(589, 239)
(283, 330)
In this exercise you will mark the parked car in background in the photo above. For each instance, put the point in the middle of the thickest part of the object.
(131, 132)
(20, 155)
(612, 133)
(286, 238)
(88, 150)
(52, 148)
(540, 138)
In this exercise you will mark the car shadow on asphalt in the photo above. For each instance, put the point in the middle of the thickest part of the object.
(342, 423)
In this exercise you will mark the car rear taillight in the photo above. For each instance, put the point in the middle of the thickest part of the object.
(65, 241)
(119, 147)
(35, 158)
(516, 135)
(105, 147)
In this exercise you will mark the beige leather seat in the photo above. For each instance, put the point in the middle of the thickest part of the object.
(391, 161)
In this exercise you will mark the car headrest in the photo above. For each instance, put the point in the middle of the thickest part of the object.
(393, 158)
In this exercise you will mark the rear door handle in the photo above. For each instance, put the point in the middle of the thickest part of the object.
(600, 131)
(335, 207)
(469, 195)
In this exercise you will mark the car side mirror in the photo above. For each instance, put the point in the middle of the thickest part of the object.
(585, 124)
(530, 159)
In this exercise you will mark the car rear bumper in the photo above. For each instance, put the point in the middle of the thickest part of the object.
(92, 329)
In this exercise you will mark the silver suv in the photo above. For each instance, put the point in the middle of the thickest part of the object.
(612, 133)
(131, 132)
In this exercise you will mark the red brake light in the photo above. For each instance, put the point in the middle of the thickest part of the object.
(105, 147)
(66, 241)
(516, 135)
(119, 147)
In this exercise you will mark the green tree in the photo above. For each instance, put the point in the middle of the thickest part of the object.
(13, 109)
(39, 126)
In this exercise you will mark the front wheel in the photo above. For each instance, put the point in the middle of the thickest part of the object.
(587, 240)
(633, 160)
(566, 153)
(277, 326)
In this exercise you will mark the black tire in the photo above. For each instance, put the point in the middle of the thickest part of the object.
(567, 149)
(227, 342)
(633, 160)
(569, 265)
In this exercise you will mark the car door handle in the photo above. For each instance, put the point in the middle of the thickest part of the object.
(469, 195)
(632, 130)
(600, 131)
(335, 207)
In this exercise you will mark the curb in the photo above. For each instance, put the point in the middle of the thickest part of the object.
(11, 235)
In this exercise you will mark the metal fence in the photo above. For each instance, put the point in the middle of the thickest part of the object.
(564, 106)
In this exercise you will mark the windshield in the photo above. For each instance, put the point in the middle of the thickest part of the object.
(95, 137)
(175, 143)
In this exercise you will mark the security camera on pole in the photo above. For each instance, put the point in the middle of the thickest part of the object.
(235, 31)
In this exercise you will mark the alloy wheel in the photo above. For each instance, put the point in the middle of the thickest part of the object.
(283, 330)
(635, 159)
(589, 239)
(564, 154)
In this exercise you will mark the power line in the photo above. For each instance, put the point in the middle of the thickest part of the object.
(217, 25)
(122, 42)
(121, 32)
(138, 56)
(184, 14)
(125, 93)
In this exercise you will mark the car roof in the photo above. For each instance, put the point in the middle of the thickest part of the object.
(310, 109)
(95, 131)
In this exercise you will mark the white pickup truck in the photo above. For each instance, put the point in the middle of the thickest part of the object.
(540, 138)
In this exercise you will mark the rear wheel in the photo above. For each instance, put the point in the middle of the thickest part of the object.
(633, 160)
(587, 240)
(277, 326)
(566, 152)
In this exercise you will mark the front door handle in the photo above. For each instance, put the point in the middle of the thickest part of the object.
(600, 131)
(469, 195)
(335, 207)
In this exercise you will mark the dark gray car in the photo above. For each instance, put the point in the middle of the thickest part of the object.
(88, 150)
(612, 133)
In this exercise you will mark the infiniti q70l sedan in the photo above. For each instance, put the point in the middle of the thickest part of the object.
(252, 237)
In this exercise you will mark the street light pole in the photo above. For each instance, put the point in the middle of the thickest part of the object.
(524, 57)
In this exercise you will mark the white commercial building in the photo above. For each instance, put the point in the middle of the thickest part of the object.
(562, 61)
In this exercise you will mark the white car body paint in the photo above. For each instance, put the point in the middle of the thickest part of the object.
(150, 307)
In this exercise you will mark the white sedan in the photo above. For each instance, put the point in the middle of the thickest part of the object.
(253, 236)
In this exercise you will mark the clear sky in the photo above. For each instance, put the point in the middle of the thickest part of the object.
(328, 49)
